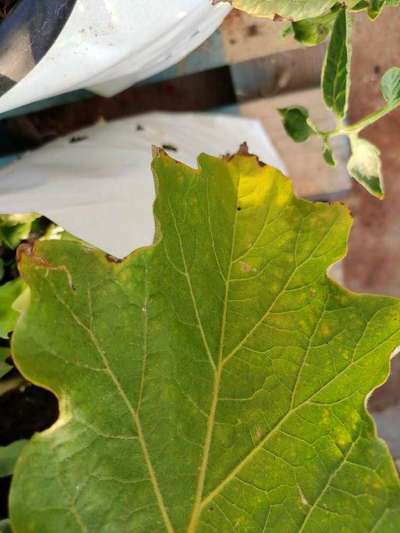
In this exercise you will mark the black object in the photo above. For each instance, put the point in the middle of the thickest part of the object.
(27, 34)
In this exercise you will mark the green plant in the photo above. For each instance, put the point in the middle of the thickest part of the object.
(215, 381)
(312, 22)
(14, 295)
(13, 230)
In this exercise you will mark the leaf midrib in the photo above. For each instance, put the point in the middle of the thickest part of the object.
(197, 508)
(200, 503)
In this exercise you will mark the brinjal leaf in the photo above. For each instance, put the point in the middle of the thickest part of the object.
(9, 294)
(390, 86)
(9, 455)
(365, 165)
(288, 9)
(215, 381)
(336, 71)
(295, 121)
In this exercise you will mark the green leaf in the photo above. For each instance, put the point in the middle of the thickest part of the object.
(360, 6)
(296, 123)
(9, 456)
(364, 165)
(9, 293)
(15, 228)
(375, 7)
(327, 154)
(216, 381)
(390, 86)
(311, 32)
(336, 69)
(288, 9)
(291, 9)
(4, 367)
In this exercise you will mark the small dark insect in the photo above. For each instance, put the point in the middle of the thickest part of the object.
(78, 139)
(170, 147)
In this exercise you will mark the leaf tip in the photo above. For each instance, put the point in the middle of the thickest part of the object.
(244, 151)
(156, 151)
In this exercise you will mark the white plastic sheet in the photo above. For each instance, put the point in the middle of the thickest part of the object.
(108, 45)
(98, 185)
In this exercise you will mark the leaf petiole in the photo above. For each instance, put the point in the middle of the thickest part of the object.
(363, 123)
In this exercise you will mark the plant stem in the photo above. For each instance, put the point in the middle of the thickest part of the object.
(363, 123)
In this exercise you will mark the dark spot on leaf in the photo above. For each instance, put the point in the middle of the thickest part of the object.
(239, 208)
(245, 267)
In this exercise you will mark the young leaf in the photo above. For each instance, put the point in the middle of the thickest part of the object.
(336, 69)
(390, 86)
(375, 7)
(327, 154)
(9, 293)
(15, 228)
(311, 32)
(216, 381)
(365, 166)
(9, 455)
(360, 6)
(295, 121)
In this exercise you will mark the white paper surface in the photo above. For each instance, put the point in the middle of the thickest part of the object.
(101, 188)
(108, 45)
